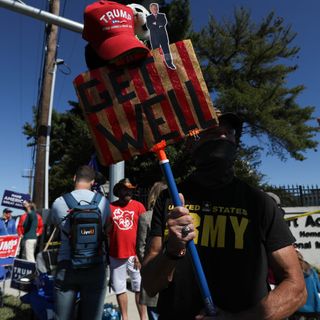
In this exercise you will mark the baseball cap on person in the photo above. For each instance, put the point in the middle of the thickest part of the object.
(123, 183)
(229, 117)
(7, 210)
(109, 29)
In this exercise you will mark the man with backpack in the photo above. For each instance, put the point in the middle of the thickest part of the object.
(81, 216)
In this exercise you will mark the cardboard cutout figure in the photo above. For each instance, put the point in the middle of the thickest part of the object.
(156, 23)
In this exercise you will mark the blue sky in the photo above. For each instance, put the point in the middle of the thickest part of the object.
(20, 61)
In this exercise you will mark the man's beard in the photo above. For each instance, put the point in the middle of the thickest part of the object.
(214, 161)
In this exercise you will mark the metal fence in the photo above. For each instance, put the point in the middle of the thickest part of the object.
(298, 195)
(291, 196)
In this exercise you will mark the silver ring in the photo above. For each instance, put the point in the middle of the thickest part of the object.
(185, 231)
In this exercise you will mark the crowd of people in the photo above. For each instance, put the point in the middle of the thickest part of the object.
(239, 231)
(28, 226)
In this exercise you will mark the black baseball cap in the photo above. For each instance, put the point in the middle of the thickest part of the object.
(123, 183)
(7, 210)
(232, 119)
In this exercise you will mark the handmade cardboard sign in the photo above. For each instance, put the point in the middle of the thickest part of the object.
(129, 110)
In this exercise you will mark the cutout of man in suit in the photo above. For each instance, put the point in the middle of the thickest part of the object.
(156, 23)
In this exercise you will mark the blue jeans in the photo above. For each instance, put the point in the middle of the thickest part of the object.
(90, 283)
(152, 313)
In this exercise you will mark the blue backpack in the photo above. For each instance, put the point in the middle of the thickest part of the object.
(86, 233)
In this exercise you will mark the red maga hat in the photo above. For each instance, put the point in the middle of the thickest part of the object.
(109, 28)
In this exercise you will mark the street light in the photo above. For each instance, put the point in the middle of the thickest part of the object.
(46, 168)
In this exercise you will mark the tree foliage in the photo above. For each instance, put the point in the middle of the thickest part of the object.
(246, 66)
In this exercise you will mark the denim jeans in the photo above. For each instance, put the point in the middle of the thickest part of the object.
(90, 283)
(152, 313)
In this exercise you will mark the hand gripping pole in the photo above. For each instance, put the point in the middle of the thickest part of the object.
(200, 276)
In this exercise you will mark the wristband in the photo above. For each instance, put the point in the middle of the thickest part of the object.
(172, 256)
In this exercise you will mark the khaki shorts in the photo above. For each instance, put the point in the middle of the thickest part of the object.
(119, 269)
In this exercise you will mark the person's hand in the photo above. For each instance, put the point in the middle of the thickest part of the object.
(136, 263)
(181, 229)
(202, 316)
(221, 315)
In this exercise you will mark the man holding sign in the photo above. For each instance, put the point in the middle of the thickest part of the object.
(238, 231)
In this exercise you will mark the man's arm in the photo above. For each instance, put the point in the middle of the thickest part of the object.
(20, 229)
(149, 22)
(281, 302)
(158, 267)
(155, 263)
(291, 293)
(142, 236)
(40, 225)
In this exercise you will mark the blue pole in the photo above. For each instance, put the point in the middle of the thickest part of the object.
(200, 276)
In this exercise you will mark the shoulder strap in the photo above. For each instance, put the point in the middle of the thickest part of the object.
(96, 198)
(70, 200)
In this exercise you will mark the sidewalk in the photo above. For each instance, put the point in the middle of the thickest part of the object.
(110, 298)
(132, 309)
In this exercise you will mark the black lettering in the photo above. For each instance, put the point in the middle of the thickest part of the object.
(177, 109)
(145, 75)
(156, 122)
(196, 104)
(294, 222)
(85, 102)
(118, 86)
(122, 144)
(310, 222)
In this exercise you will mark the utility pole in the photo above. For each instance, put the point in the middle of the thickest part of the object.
(52, 17)
(28, 173)
(43, 114)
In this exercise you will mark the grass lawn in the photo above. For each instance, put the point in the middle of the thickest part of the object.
(14, 309)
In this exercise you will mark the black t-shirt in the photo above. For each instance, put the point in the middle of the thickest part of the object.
(237, 226)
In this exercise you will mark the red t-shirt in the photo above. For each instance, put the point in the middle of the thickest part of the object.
(124, 226)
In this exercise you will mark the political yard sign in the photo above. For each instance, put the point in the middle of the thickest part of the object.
(14, 199)
(21, 269)
(9, 246)
(130, 109)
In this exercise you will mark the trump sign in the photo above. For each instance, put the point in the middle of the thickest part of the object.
(14, 199)
(9, 246)
(130, 109)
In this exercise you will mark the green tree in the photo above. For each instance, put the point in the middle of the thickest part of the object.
(71, 144)
(246, 66)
